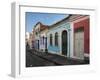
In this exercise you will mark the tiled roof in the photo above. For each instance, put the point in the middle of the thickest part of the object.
(75, 17)
(43, 27)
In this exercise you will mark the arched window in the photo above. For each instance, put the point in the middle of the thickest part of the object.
(51, 39)
(56, 39)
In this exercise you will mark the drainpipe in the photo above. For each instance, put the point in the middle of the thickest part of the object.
(69, 41)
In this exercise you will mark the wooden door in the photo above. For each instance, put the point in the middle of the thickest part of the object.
(79, 44)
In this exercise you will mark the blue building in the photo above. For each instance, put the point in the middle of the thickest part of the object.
(60, 38)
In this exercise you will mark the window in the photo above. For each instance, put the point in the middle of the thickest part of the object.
(51, 39)
(56, 39)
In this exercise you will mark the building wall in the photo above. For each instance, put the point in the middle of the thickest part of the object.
(59, 28)
(36, 30)
(43, 41)
(36, 36)
(84, 23)
(33, 39)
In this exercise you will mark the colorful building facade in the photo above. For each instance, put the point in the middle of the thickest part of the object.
(72, 37)
(81, 37)
(40, 32)
(59, 38)
(68, 37)
(43, 39)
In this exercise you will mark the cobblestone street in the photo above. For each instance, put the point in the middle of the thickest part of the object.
(35, 59)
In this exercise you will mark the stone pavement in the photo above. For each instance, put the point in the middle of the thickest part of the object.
(57, 59)
(36, 61)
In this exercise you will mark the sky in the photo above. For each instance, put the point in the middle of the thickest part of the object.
(32, 18)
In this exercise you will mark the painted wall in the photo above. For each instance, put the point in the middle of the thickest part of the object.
(85, 24)
(58, 28)
(43, 41)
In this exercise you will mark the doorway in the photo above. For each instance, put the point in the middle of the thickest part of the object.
(79, 43)
(64, 42)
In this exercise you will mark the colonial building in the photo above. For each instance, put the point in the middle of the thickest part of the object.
(59, 38)
(80, 25)
(43, 39)
(70, 37)
(40, 32)
(33, 38)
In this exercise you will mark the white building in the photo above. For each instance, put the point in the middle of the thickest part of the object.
(40, 34)
(43, 39)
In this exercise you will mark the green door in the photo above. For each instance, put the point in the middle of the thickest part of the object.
(64, 43)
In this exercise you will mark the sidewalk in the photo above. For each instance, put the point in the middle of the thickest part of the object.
(57, 59)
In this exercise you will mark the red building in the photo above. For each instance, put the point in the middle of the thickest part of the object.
(81, 36)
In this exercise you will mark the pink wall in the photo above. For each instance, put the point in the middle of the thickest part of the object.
(85, 24)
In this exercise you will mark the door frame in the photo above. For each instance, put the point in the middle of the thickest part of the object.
(66, 42)
(75, 31)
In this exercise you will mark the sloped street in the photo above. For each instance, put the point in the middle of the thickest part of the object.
(35, 58)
